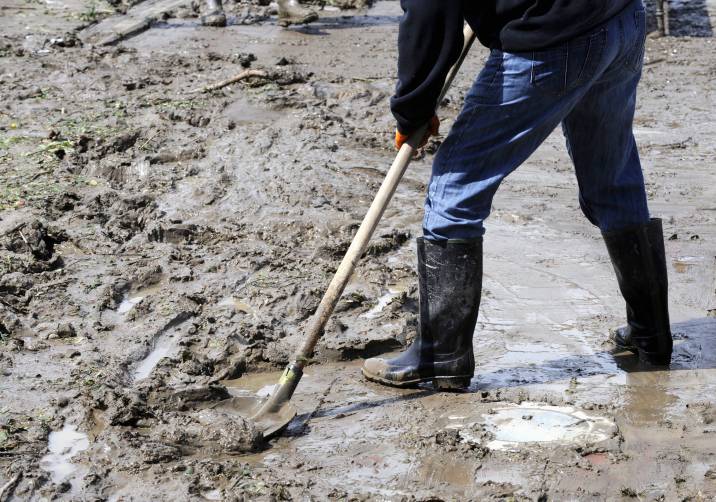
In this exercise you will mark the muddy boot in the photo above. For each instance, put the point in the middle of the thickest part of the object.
(450, 280)
(215, 16)
(291, 12)
(639, 260)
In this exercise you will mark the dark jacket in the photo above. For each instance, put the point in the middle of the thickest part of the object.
(430, 40)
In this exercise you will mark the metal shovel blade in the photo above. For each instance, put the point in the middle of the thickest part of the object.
(270, 423)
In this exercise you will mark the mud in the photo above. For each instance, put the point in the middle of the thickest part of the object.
(161, 250)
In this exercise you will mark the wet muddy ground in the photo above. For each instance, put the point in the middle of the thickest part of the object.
(162, 249)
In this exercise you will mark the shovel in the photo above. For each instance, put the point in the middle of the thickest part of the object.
(272, 414)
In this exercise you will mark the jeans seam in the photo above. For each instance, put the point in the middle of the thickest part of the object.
(532, 69)
(585, 208)
(565, 84)
(500, 68)
(635, 64)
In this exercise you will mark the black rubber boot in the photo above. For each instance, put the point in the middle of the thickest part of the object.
(450, 281)
(215, 15)
(639, 260)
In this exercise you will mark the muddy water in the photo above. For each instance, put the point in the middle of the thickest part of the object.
(187, 238)
(63, 445)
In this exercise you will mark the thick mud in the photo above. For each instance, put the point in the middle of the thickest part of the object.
(161, 250)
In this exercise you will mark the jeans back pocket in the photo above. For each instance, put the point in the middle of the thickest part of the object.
(561, 69)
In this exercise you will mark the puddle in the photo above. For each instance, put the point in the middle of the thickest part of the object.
(212, 495)
(513, 426)
(242, 111)
(130, 300)
(236, 304)
(100, 423)
(63, 445)
(266, 390)
(146, 365)
(259, 384)
(127, 303)
(436, 471)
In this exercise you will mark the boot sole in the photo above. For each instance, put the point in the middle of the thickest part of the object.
(214, 20)
(285, 22)
(440, 383)
(653, 360)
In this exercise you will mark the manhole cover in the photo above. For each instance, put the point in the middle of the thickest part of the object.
(512, 426)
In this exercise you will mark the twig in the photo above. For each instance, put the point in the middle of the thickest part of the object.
(25, 240)
(237, 78)
(9, 486)
(150, 139)
(41, 173)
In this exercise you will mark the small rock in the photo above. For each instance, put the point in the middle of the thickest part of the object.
(65, 330)
(244, 59)
(153, 452)
(16, 344)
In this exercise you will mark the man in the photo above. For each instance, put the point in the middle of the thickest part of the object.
(289, 12)
(574, 62)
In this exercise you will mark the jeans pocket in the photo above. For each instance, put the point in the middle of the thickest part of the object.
(635, 58)
(568, 66)
(548, 69)
(488, 87)
(585, 58)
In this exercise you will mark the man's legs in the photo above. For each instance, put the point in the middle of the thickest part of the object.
(513, 106)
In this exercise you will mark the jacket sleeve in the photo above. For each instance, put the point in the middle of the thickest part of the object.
(429, 42)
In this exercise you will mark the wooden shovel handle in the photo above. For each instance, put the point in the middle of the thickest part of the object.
(370, 222)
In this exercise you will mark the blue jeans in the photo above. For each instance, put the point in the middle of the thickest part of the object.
(589, 86)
